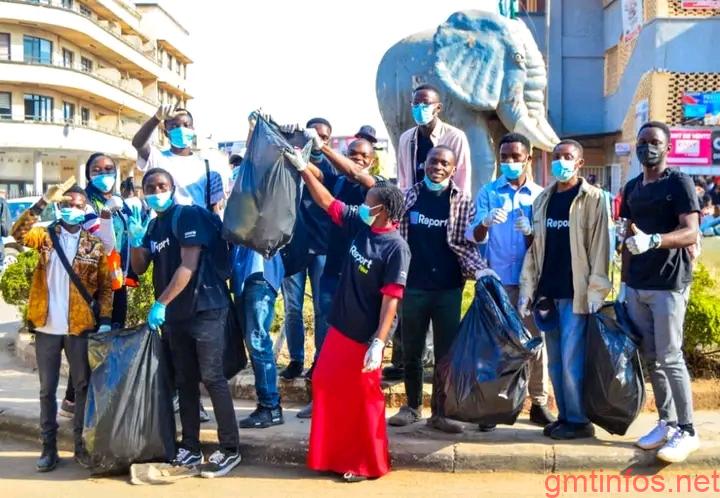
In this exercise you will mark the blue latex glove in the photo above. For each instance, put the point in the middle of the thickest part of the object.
(156, 316)
(103, 328)
(137, 227)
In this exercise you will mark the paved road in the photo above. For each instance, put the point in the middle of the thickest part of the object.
(19, 480)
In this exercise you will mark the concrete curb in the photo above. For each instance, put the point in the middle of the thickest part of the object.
(416, 451)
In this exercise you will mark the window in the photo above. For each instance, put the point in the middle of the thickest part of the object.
(37, 50)
(85, 116)
(68, 4)
(86, 64)
(69, 112)
(5, 46)
(85, 11)
(68, 58)
(179, 68)
(170, 60)
(5, 107)
(38, 107)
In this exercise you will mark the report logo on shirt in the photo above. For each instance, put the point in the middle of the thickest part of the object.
(417, 218)
(189, 235)
(558, 224)
(156, 247)
(364, 263)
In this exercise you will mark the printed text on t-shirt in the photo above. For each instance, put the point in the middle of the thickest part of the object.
(417, 218)
(156, 247)
(361, 260)
(557, 223)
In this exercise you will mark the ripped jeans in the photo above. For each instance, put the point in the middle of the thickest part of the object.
(256, 310)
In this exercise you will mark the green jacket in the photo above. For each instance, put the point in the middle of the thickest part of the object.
(589, 246)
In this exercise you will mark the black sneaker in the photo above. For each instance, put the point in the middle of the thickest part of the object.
(569, 431)
(487, 427)
(540, 415)
(81, 456)
(187, 458)
(204, 417)
(262, 418)
(293, 371)
(48, 458)
(547, 430)
(220, 463)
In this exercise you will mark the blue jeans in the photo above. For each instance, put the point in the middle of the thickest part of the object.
(256, 309)
(293, 289)
(566, 362)
(328, 285)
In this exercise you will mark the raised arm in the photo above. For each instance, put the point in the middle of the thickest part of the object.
(317, 190)
(141, 140)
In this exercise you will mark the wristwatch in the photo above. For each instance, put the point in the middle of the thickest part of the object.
(655, 241)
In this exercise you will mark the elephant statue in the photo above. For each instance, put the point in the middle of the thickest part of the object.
(490, 73)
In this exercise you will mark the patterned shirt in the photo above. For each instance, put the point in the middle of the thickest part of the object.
(462, 212)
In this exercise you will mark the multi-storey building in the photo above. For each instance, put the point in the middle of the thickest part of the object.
(78, 77)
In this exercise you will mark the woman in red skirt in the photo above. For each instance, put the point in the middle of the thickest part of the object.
(348, 433)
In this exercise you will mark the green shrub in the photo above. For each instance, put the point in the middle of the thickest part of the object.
(140, 299)
(16, 279)
(702, 320)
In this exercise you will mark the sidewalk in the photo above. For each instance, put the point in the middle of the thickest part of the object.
(519, 448)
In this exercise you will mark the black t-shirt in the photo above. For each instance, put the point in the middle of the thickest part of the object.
(316, 222)
(655, 208)
(374, 260)
(424, 144)
(192, 229)
(339, 240)
(556, 278)
(434, 265)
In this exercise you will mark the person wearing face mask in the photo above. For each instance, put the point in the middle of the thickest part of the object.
(348, 433)
(198, 181)
(502, 223)
(191, 306)
(565, 277)
(349, 182)
(662, 216)
(58, 312)
(415, 143)
(437, 214)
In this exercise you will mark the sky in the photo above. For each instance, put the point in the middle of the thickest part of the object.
(296, 60)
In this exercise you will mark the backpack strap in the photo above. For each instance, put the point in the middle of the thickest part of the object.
(175, 219)
(74, 277)
(207, 184)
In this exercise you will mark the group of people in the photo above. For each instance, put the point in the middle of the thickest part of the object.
(384, 260)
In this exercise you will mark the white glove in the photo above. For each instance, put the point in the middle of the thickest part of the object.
(312, 134)
(524, 306)
(296, 160)
(290, 128)
(522, 224)
(165, 112)
(114, 204)
(487, 272)
(56, 193)
(594, 306)
(374, 356)
(640, 242)
(103, 328)
(495, 216)
(622, 293)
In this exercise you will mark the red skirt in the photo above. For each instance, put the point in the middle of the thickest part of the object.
(347, 432)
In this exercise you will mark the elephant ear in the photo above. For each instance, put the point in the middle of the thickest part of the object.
(472, 52)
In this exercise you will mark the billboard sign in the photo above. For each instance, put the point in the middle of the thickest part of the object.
(632, 19)
(700, 4)
(701, 108)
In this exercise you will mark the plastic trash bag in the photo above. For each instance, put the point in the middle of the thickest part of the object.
(234, 355)
(614, 389)
(129, 414)
(485, 373)
(262, 207)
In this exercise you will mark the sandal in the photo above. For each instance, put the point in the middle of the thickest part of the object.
(350, 477)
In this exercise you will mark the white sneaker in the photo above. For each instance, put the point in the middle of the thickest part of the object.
(677, 449)
(657, 437)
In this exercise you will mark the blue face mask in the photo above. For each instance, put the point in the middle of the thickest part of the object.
(512, 171)
(364, 212)
(181, 137)
(423, 113)
(159, 202)
(104, 183)
(563, 169)
(72, 216)
(436, 187)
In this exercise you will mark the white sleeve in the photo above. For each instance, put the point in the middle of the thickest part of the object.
(151, 162)
(106, 234)
(219, 182)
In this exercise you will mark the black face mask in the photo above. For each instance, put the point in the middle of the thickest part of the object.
(649, 155)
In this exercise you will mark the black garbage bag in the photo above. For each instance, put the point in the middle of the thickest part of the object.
(485, 373)
(614, 389)
(261, 211)
(234, 355)
(129, 414)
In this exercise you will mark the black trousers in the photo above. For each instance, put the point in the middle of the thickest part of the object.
(119, 315)
(48, 348)
(197, 346)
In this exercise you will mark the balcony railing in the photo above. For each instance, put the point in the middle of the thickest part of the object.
(76, 123)
(75, 8)
(92, 74)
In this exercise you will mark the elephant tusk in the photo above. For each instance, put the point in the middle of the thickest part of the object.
(536, 130)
